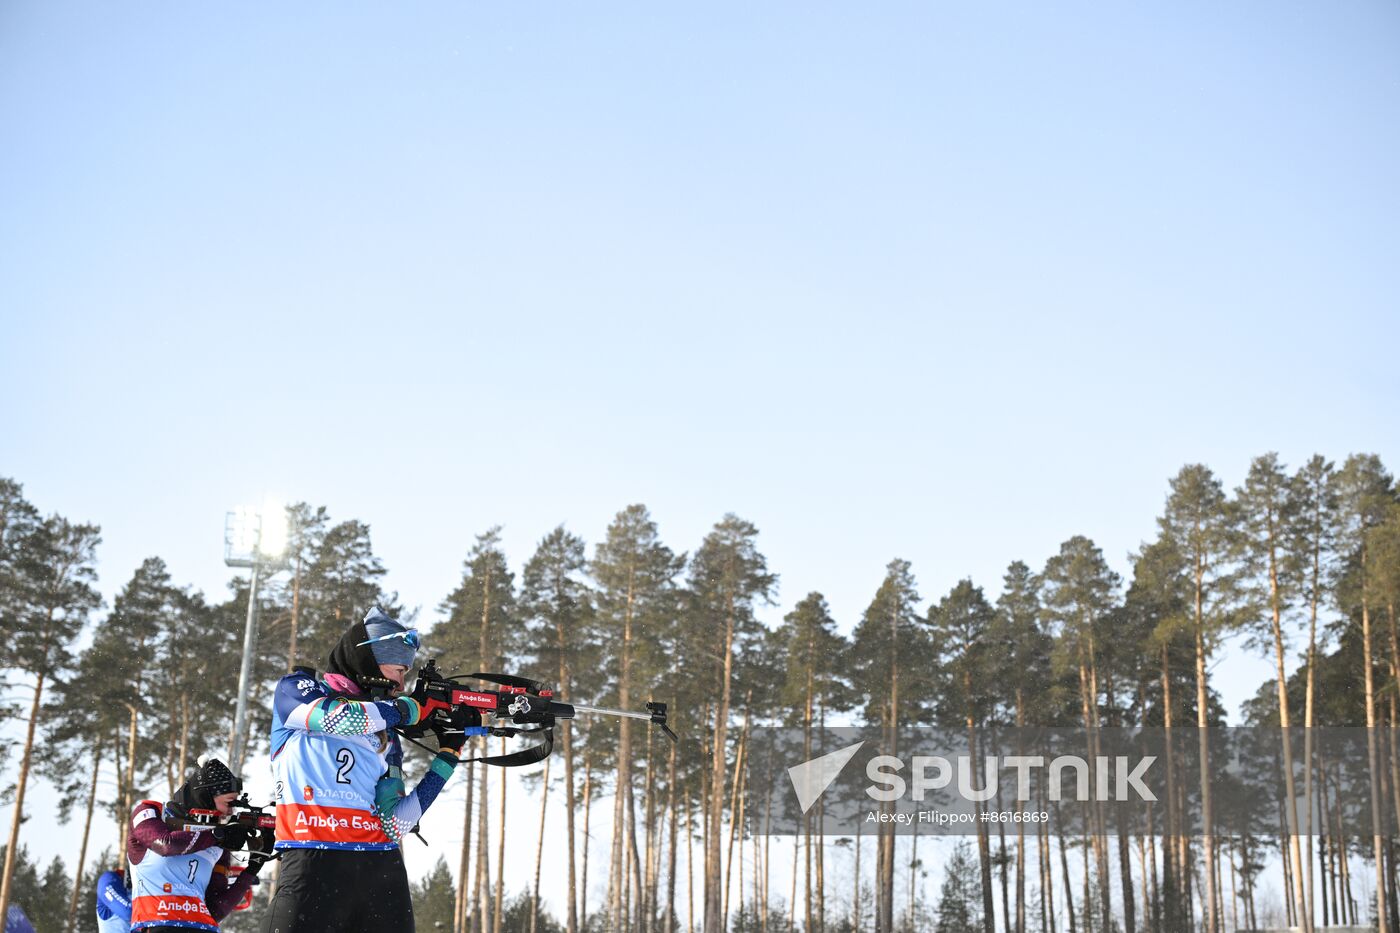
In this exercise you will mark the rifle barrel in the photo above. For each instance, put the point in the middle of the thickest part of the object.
(604, 711)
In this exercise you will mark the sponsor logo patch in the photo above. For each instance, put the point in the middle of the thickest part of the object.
(471, 698)
(142, 817)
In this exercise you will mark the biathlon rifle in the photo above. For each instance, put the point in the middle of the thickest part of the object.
(521, 707)
(250, 816)
(255, 821)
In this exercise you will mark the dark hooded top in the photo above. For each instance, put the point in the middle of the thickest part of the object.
(351, 659)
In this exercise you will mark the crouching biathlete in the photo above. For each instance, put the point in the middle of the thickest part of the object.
(180, 855)
(341, 806)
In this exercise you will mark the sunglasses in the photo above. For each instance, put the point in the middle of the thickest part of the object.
(409, 636)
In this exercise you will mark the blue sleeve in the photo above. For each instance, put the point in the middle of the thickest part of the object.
(113, 900)
(399, 812)
(304, 704)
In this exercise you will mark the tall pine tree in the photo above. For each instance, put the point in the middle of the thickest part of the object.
(49, 577)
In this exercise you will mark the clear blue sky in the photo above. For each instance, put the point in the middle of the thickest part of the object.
(945, 282)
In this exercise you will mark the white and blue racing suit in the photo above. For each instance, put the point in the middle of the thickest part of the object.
(338, 768)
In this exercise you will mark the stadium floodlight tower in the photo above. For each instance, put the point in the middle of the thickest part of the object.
(256, 540)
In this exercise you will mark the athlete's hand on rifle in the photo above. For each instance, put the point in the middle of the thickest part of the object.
(430, 697)
(231, 836)
(450, 738)
(260, 850)
(248, 826)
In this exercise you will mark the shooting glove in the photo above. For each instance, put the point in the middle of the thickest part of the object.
(256, 860)
(264, 841)
(261, 851)
(232, 837)
(452, 740)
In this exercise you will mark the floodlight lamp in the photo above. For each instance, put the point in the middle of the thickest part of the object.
(272, 539)
(241, 531)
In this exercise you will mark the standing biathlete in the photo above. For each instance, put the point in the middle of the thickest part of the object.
(337, 767)
(180, 855)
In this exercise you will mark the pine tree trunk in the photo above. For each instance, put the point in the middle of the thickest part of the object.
(128, 791)
(743, 798)
(184, 732)
(82, 848)
(1048, 920)
(587, 839)
(715, 922)
(1349, 904)
(1003, 866)
(736, 807)
(1234, 895)
(690, 866)
(809, 662)
(170, 753)
(1064, 870)
(984, 855)
(26, 761)
(1125, 861)
(1020, 926)
(792, 895)
(913, 870)
(296, 606)
(1173, 876)
(654, 828)
(1147, 839)
(118, 760)
(767, 838)
(571, 912)
(1203, 740)
(1394, 717)
(1149, 875)
(622, 799)
(480, 894)
(1324, 851)
(1373, 762)
(759, 870)
(1301, 913)
(539, 851)
(1125, 874)
(821, 837)
(459, 924)
(855, 899)
(1086, 903)
(1344, 905)
(1249, 892)
(669, 924)
(637, 894)
(615, 878)
(1308, 718)
(1099, 831)
(644, 875)
(501, 856)
(884, 865)
(481, 884)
